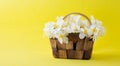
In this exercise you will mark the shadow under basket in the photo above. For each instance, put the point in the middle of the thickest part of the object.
(75, 49)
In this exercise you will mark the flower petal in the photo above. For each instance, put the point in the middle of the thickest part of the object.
(81, 35)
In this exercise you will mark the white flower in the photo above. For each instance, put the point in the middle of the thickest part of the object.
(50, 29)
(96, 29)
(62, 25)
(62, 38)
(95, 22)
(60, 22)
(92, 30)
(84, 24)
(75, 18)
(74, 28)
(83, 33)
(72, 19)
(73, 24)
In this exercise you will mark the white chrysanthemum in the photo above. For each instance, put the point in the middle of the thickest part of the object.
(62, 25)
(60, 22)
(51, 29)
(96, 29)
(75, 18)
(84, 23)
(74, 28)
(83, 33)
(95, 22)
(62, 37)
(73, 24)
(72, 19)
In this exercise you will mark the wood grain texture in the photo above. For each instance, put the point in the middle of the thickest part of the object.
(75, 49)
(87, 54)
(71, 54)
(80, 45)
(78, 54)
(88, 43)
(61, 46)
(62, 53)
(73, 37)
(55, 52)
(69, 45)
(53, 43)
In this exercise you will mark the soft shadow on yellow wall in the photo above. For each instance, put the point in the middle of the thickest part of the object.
(21, 31)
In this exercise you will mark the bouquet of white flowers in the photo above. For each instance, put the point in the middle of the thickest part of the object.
(73, 37)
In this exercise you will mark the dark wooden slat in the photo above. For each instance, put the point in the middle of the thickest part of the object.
(78, 54)
(55, 52)
(87, 54)
(80, 45)
(61, 46)
(53, 43)
(88, 43)
(69, 45)
(62, 53)
(73, 37)
(71, 54)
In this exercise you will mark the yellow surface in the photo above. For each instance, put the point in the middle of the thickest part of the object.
(21, 31)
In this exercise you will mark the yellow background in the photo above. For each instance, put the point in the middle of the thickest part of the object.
(21, 31)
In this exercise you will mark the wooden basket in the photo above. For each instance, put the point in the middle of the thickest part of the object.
(76, 48)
